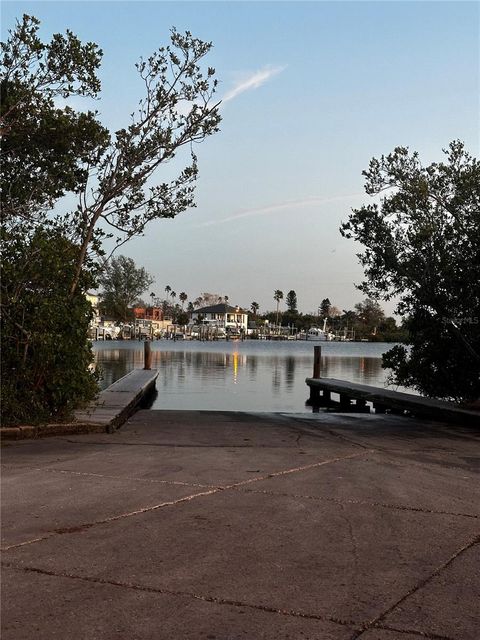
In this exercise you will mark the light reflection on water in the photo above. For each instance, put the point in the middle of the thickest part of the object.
(240, 376)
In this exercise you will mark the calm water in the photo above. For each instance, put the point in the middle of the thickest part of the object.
(240, 376)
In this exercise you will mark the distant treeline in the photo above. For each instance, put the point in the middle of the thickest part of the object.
(366, 321)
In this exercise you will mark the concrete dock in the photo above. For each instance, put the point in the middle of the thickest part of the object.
(221, 526)
(105, 413)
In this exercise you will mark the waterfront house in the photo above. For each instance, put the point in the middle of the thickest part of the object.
(223, 315)
(151, 320)
(149, 313)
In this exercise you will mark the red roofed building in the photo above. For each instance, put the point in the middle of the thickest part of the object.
(148, 313)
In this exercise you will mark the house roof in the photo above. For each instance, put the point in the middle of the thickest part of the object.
(220, 308)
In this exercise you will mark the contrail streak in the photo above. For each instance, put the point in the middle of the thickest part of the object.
(260, 211)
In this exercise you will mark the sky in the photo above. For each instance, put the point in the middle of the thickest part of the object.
(311, 92)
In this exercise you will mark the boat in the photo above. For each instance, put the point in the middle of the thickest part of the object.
(103, 331)
(317, 335)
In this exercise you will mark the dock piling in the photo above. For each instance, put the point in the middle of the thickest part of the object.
(317, 361)
(147, 355)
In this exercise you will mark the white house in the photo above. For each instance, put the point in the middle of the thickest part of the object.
(223, 315)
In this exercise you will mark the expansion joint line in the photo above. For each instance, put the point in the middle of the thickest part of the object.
(366, 503)
(426, 635)
(170, 503)
(171, 592)
(218, 600)
(306, 467)
(88, 474)
(377, 622)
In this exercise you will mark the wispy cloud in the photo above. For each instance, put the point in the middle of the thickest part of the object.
(254, 81)
(281, 206)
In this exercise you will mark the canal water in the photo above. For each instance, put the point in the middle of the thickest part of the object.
(240, 376)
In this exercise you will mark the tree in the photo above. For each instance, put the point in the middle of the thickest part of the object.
(115, 178)
(209, 299)
(324, 308)
(49, 151)
(173, 295)
(255, 307)
(370, 314)
(183, 298)
(44, 154)
(46, 358)
(278, 295)
(422, 245)
(46, 150)
(291, 301)
(123, 283)
(176, 112)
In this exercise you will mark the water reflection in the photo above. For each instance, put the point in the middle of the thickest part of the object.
(289, 371)
(238, 376)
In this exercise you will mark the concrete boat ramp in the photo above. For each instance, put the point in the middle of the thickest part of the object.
(214, 525)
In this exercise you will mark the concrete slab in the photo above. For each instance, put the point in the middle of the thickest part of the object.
(37, 453)
(350, 562)
(289, 561)
(449, 604)
(395, 433)
(69, 608)
(38, 503)
(387, 634)
(213, 451)
(383, 479)
(214, 428)
(210, 467)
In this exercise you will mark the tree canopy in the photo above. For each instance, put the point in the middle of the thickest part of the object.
(421, 245)
(291, 301)
(46, 150)
(49, 150)
(122, 285)
(45, 353)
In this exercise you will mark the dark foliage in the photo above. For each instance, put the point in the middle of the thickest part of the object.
(45, 354)
(49, 150)
(422, 245)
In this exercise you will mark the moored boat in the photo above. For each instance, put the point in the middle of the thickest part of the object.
(316, 334)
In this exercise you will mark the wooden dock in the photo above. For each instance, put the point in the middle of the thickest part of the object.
(357, 397)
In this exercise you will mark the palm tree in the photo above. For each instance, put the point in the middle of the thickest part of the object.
(254, 307)
(183, 298)
(173, 295)
(152, 296)
(168, 288)
(226, 299)
(278, 295)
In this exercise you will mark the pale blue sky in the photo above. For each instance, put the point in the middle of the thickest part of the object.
(327, 85)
